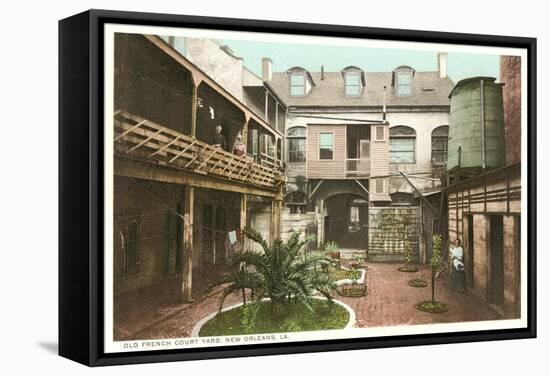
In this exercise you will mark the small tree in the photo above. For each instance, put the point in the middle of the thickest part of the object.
(435, 260)
(432, 305)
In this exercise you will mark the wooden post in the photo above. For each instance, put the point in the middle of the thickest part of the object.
(242, 226)
(276, 209)
(187, 284)
(321, 223)
(244, 132)
(194, 95)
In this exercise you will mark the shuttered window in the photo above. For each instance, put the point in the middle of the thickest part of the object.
(379, 186)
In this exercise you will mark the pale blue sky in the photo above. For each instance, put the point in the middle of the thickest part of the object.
(335, 58)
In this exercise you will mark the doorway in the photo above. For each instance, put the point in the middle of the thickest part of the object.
(496, 267)
(469, 251)
(347, 221)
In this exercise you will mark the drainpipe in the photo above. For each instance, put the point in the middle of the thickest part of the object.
(384, 104)
(266, 114)
(483, 151)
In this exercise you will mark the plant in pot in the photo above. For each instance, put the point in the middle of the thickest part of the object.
(332, 251)
(353, 290)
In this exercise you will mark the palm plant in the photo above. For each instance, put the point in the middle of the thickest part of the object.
(281, 273)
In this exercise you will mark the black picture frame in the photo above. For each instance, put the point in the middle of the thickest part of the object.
(81, 195)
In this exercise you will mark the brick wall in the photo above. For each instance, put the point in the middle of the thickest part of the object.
(510, 69)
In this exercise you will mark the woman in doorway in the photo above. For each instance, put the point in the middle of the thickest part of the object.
(457, 266)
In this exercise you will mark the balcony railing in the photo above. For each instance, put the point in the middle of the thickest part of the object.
(150, 142)
(359, 167)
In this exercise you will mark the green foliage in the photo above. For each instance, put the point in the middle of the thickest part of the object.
(354, 275)
(281, 273)
(395, 228)
(432, 306)
(436, 259)
(248, 318)
(331, 247)
(407, 249)
(296, 317)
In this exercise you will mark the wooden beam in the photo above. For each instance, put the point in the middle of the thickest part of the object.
(187, 285)
(362, 187)
(276, 209)
(434, 211)
(194, 107)
(147, 171)
(244, 208)
(315, 189)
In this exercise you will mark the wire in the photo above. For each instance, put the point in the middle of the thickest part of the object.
(156, 198)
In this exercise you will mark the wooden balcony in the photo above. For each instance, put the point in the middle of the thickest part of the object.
(358, 167)
(144, 140)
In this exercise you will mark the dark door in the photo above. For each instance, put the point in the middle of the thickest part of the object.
(470, 251)
(221, 235)
(496, 276)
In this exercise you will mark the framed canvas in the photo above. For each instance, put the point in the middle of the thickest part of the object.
(234, 187)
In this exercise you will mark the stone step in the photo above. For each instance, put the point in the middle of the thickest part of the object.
(347, 253)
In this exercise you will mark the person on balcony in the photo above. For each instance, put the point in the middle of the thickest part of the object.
(239, 148)
(218, 139)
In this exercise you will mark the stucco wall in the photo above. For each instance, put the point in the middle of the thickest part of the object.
(423, 123)
(225, 69)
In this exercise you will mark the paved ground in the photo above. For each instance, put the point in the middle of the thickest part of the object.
(390, 301)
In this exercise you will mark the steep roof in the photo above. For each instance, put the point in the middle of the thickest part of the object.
(427, 90)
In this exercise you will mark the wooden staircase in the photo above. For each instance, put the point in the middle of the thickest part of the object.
(142, 139)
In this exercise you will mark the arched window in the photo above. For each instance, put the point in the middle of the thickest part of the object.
(296, 202)
(440, 140)
(296, 144)
(402, 144)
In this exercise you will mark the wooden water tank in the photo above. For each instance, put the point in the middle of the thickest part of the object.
(476, 125)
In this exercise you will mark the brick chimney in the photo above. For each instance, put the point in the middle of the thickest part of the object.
(442, 64)
(267, 70)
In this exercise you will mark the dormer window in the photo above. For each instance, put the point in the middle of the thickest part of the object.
(300, 82)
(353, 84)
(297, 84)
(402, 80)
(354, 81)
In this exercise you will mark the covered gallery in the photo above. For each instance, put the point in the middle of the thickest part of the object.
(181, 202)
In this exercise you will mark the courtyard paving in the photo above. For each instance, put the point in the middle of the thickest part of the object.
(390, 301)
